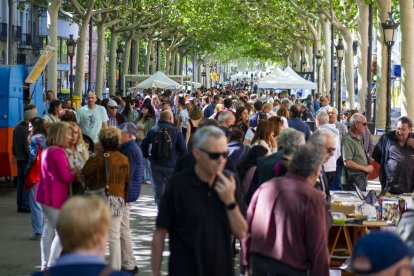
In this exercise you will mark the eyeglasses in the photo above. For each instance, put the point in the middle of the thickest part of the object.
(215, 155)
(364, 124)
(331, 150)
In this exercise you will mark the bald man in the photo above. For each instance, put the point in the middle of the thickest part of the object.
(168, 145)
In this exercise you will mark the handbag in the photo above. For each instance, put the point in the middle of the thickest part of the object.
(33, 175)
(116, 204)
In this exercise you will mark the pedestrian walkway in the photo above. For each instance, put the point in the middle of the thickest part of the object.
(20, 256)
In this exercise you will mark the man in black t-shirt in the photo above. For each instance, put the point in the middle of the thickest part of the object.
(200, 212)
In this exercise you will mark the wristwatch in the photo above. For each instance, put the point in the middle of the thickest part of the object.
(230, 206)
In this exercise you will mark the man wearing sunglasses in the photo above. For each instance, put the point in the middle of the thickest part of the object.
(199, 211)
(356, 162)
(322, 122)
(395, 152)
(115, 118)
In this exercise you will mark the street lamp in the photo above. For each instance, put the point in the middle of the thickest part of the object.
(339, 56)
(388, 28)
(119, 54)
(319, 58)
(71, 46)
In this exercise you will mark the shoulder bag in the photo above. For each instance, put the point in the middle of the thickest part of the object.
(33, 175)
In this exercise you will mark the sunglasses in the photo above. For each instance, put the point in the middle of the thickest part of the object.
(364, 124)
(215, 155)
(331, 150)
(112, 107)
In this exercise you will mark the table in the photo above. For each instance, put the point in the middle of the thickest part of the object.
(351, 233)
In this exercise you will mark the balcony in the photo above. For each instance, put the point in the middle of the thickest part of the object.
(26, 41)
(3, 31)
(17, 33)
(37, 42)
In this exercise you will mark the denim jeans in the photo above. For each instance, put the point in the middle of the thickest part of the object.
(50, 243)
(337, 184)
(264, 266)
(36, 211)
(161, 176)
(22, 195)
(147, 171)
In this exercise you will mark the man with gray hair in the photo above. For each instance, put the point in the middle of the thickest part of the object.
(287, 235)
(356, 162)
(226, 119)
(199, 210)
(289, 140)
(322, 122)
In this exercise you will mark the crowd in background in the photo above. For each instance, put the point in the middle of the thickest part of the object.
(115, 145)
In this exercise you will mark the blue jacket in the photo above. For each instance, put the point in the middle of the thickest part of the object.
(316, 106)
(299, 125)
(178, 144)
(136, 166)
(209, 110)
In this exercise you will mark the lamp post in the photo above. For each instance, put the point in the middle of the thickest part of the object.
(339, 56)
(119, 54)
(388, 28)
(71, 46)
(319, 58)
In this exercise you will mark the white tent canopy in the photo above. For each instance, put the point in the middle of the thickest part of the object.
(274, 74)
(240, 76)
(288, 79)
(158, 80)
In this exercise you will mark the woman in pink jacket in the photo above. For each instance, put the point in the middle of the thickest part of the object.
(55, 179)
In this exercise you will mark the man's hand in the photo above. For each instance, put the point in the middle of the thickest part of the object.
(410, 142)
(225, 188)
(369, 168)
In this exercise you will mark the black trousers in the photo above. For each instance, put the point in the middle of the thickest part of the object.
(264, 266)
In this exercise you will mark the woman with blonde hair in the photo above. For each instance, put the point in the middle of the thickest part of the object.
(78, 154)
(264, 137)
(56, 178)
(109, 170)
(84, 238)
(217, 109)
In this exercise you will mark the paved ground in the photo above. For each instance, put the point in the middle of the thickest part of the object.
(20, 256)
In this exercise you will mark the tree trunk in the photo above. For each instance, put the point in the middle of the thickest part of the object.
(52, 16)
(167, 61)
(100, 68)
(113, 62)
(349, 66)
(81, 47)
(363, 10)
(147, 60)
(309, 58)
(407, 58)
(181, 69)
(172, 67)
(126, 60)
(135, 61)
(152, 58)
(177, 63)
(384, 6)
(327, 66)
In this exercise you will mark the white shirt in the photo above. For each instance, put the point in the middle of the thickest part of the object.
(91, 120)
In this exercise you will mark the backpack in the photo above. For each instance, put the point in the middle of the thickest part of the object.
(162, 146)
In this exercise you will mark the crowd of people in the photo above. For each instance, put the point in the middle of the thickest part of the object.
(224, 165)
